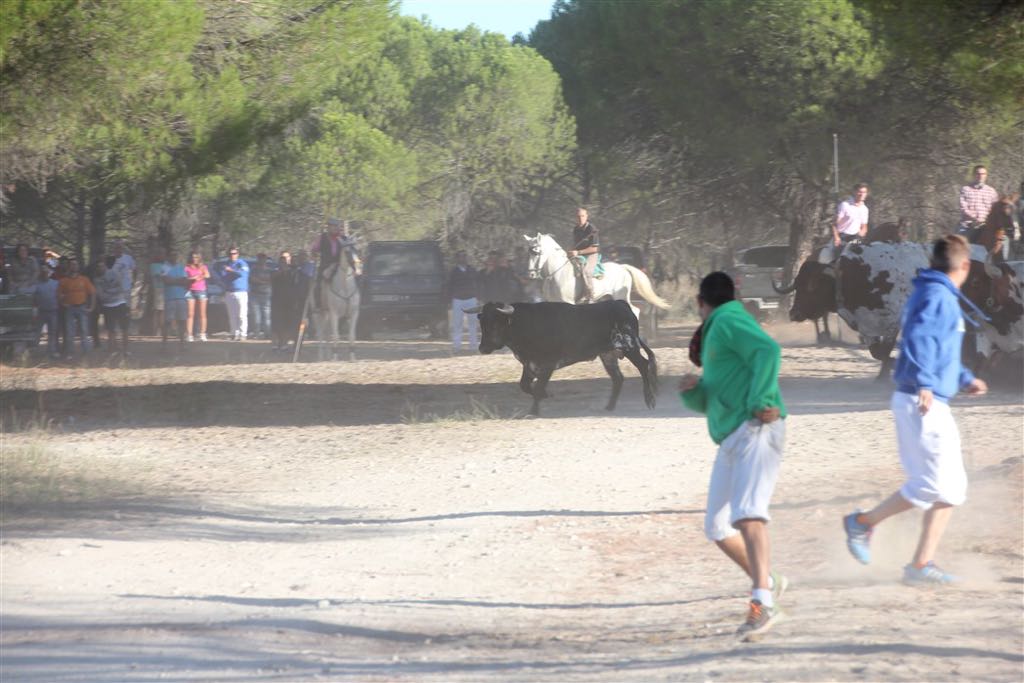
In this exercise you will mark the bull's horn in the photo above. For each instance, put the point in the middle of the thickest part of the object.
(527, 238)
(474, 310)
(784, 290)
(507, 309)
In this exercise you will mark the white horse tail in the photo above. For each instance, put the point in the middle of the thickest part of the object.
(644, 288)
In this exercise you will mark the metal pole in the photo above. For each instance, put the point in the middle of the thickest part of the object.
(835, 163)
(835, 185)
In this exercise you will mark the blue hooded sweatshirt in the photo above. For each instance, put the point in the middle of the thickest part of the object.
(933, 332)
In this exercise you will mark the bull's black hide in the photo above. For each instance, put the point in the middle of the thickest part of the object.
(547, 336)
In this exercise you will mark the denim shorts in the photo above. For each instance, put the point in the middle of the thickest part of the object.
(195, 296)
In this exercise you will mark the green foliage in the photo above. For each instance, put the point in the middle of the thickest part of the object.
(350, 167)
(90, 80)
(723, 112)
(443, 132)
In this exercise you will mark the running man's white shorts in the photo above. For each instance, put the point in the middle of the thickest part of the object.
(743, 477)
(930, 453)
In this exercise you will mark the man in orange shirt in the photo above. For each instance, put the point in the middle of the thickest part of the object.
(77, 298)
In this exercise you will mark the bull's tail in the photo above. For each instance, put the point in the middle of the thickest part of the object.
(644, 288)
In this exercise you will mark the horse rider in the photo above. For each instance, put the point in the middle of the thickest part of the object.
(586, 249)
(330, 246)
(851, 223)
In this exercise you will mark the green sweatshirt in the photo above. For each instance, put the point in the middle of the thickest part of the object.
(741, 371)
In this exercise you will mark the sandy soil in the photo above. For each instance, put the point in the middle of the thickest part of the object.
(226, 516)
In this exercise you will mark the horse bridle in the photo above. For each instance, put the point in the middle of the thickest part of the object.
(536, 250)
(328, 281)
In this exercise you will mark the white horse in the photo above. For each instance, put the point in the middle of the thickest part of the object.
(553, 268)
(339, 298)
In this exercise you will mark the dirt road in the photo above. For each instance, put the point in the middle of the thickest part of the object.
(224, 516)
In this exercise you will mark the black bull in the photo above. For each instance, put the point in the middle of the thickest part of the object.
(549, 335)
(814, 295)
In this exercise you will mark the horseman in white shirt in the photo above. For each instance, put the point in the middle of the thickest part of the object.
(851, 223)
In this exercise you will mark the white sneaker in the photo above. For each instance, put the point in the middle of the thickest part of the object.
(202, 337)
(190, 338)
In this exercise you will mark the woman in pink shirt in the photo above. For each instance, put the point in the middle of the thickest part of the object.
(197, 272)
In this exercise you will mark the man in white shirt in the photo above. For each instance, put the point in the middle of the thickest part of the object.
(124, 266)
(851, 217)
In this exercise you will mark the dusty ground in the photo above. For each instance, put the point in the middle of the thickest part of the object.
(225, 516)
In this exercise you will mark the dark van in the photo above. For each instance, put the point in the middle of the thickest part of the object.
(403, 288)
(754, 272)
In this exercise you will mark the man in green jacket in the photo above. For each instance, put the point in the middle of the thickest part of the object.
(739, 393)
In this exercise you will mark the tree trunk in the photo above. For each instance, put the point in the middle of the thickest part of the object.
(80, 227)
(97, 229)
(165, 229)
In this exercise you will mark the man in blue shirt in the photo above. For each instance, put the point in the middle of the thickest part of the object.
(928, 374)
(235, 275)
(176, 283)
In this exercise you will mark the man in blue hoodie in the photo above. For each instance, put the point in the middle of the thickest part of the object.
(928, 374)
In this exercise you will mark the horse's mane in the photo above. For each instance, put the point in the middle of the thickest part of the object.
(552, 238)
(1000, 215)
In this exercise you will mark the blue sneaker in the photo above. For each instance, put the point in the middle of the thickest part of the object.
(929, 575)
(858, 538)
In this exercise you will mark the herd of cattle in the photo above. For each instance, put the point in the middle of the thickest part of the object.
(866, 286)
(869, 283)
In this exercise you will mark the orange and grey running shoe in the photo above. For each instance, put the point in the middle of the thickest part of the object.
(779, 585)
(760, 619)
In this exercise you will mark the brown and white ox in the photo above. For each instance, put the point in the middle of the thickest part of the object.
(998, 290)
(873, 282)
(867, 286)
(814, 287)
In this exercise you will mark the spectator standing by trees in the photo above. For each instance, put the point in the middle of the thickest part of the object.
(463, 284)
(113, 300)
(497, 281)
(259, 297)
(157, 270)
(22, 273)
(176, 283)
(197, 273)
(124, 266)
(77, 298)
(44, 299)
(287, 298)
(234, 273)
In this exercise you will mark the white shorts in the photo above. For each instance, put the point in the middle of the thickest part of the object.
(743, 477)
(176, 309)
(929, 452)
